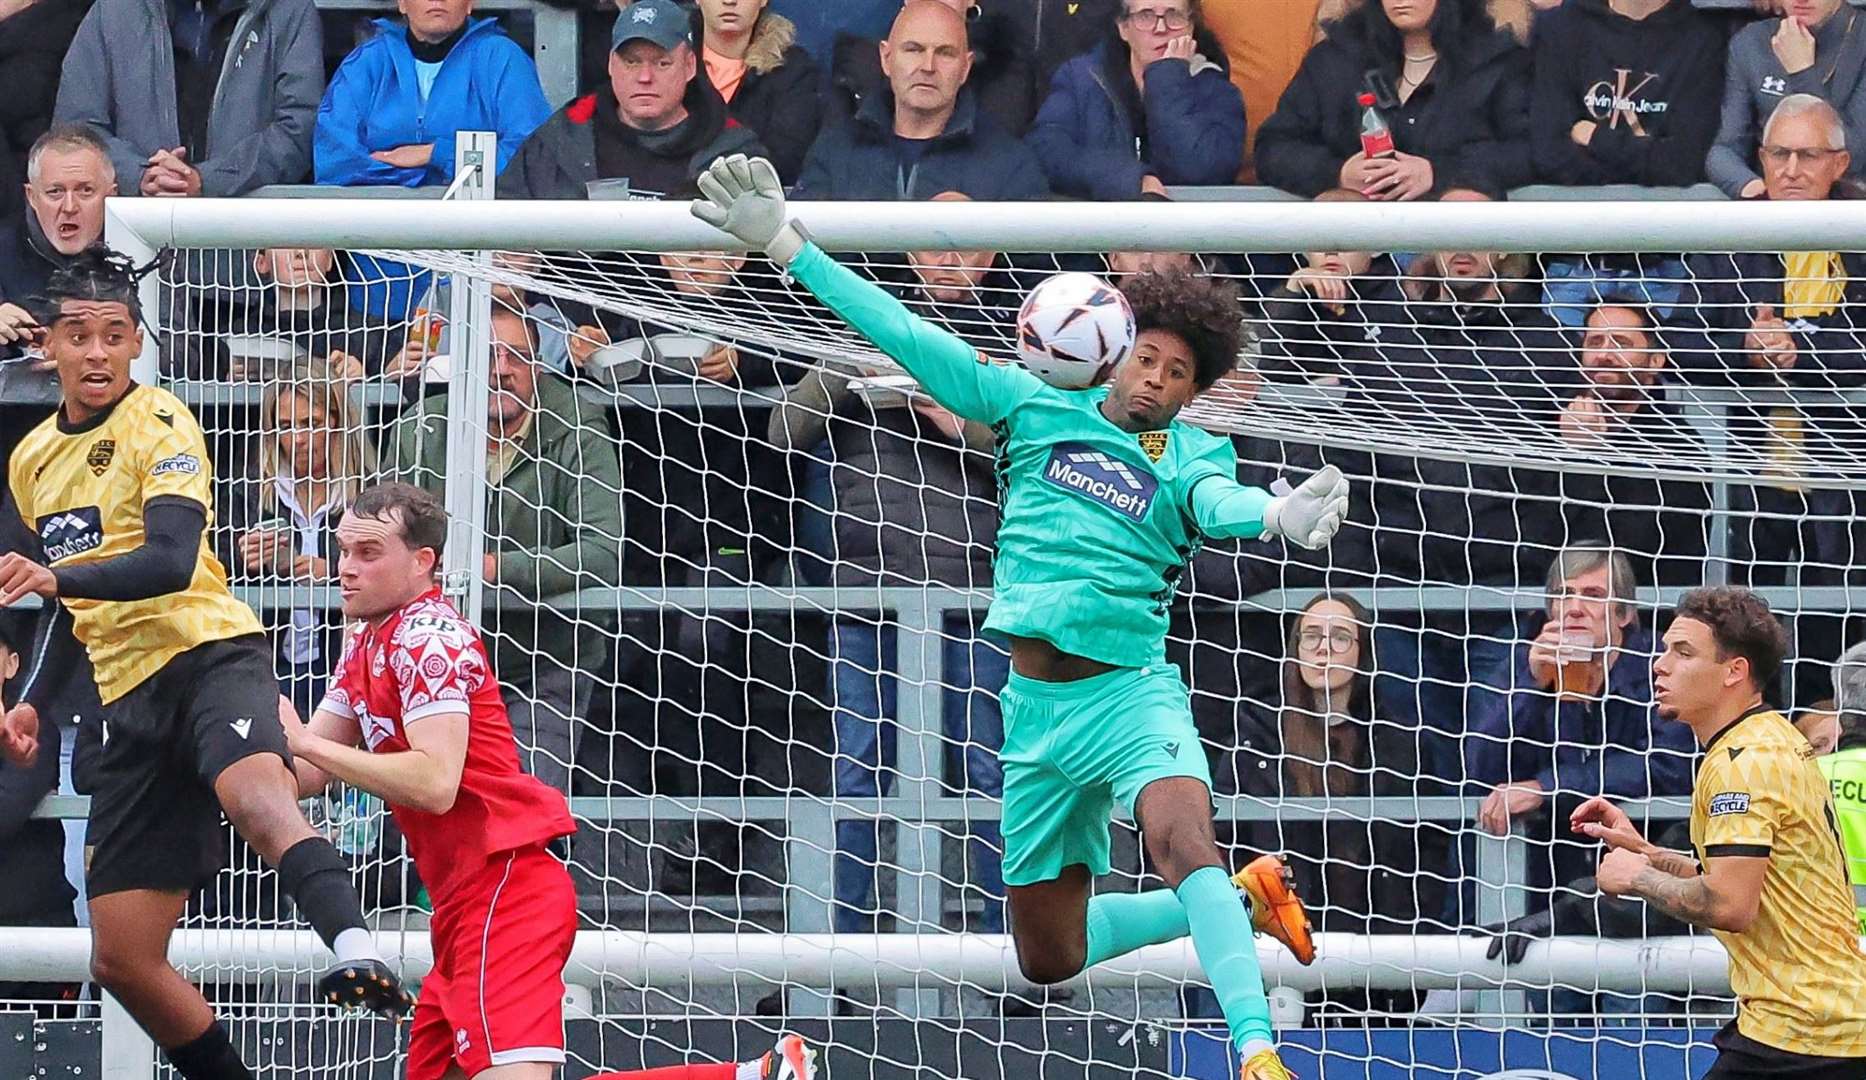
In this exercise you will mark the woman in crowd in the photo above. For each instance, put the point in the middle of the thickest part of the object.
(769, 83)
(1450, 78)
(1359, 875)
(310, 459)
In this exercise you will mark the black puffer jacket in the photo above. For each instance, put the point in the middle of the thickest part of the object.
(1464, 374)
(1470, 118)
(780, 100)
(562, 157)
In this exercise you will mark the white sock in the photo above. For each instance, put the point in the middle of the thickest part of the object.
(354, 944)
(1254, 1047)
(753, 1070)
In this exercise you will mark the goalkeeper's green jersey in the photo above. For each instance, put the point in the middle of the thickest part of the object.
(1096, 523)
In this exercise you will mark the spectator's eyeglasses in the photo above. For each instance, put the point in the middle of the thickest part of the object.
(1812, 155)
(1339, 641)
(1154, 18)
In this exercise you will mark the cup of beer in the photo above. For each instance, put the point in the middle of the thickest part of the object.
(1575, 660)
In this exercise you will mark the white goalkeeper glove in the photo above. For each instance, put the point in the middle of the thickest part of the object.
(743, 197)
(1310, 515)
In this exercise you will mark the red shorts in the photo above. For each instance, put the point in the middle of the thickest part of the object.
(496, 994)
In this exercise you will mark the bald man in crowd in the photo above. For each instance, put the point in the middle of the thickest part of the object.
(925, 134)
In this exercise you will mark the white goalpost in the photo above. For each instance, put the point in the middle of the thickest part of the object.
(739, 568)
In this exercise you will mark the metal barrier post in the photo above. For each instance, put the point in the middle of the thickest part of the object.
(920, 668)
(1502, 873)
(128, 1051)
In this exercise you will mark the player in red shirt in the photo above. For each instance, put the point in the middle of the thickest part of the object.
(415, 688)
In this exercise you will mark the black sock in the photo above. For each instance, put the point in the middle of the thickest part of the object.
(210, 1056)
(318, 881)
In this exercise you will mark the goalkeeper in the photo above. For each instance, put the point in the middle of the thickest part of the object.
(1104, 496)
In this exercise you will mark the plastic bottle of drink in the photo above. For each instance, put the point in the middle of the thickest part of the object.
(1376, 137)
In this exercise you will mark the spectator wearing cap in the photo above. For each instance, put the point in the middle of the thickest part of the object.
(650, 128)
(1450, 80)
(1003, 77)
(32, 850)
(1152, 105)
(769, 83)
(68, 176)
(927, 134)
(34, 35)
(1815, 47)
(215, 97)
(1625, 92)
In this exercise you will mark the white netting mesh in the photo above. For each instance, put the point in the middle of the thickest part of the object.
(753, 543)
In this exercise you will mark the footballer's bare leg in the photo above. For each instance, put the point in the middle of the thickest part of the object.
(129, 958)
(259, 795)
(1048, 921)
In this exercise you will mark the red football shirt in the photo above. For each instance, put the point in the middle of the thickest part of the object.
(427, 659)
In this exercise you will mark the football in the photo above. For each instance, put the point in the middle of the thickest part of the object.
(1073, 329)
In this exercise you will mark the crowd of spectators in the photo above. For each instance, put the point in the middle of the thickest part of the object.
(949, 100)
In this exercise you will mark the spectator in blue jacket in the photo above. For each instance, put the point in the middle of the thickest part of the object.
(927, 135)
(392, 110)
(1145, 109)
(391, 114)
(1581, 719)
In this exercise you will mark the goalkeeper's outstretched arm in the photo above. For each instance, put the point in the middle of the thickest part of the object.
(744, 198)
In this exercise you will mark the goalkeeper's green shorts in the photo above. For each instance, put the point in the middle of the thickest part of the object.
(1072, 749)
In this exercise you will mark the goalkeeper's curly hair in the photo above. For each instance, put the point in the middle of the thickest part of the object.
(1202, 310)
(96, 274)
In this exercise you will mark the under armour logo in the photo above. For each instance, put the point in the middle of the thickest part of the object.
(640, 13)
(1773, 85)
(1109, 465)
(242, 727)
(1373, 332)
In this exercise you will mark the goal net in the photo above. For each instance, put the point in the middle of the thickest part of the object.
(732, 568)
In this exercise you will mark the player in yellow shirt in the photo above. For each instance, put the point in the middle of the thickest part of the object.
(1767, 877)
(110, 501)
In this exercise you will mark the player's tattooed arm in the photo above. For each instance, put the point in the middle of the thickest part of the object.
(1726, 896)
(1689, 900)
(1676, 863)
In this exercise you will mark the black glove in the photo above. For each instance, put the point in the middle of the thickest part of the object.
(1511, 937)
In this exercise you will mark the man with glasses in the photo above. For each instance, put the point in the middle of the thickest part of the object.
(1149, 107)
(1786, 327)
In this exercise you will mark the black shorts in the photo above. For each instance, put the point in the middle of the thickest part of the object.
(1740, 1057)
(155, 821)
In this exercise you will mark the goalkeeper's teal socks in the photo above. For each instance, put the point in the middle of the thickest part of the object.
(1119, 923)
(1221, 934)
(1209, 907)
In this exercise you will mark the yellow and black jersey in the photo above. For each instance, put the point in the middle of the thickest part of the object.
(82, 489)
(1798, 972)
